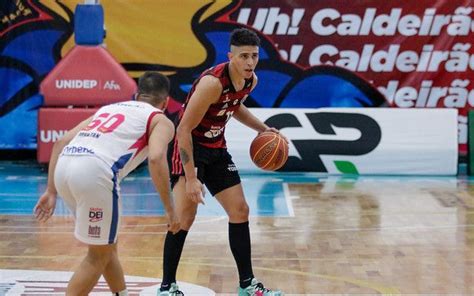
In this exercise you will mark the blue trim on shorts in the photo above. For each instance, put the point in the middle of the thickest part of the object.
(118, 165)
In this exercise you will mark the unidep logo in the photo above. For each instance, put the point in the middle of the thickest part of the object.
(76, 83)
(37, 282)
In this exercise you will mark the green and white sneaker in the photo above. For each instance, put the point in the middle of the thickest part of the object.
(257, 289)
(173, 291)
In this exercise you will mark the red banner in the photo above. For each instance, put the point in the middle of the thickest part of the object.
(417, 53)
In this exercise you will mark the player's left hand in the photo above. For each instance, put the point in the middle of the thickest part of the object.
(195, 190)
(45, 206)
(173, 222)
(274, 130)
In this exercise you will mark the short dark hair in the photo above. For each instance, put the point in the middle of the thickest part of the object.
(153, 85)
(243, 37)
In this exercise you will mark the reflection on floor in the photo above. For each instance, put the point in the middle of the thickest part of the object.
(311, 233)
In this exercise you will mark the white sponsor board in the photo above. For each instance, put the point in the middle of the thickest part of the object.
(358, 140)
(42, 282)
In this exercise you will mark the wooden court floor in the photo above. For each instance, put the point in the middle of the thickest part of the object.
(339, 235)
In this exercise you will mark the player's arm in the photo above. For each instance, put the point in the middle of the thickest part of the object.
(161, 134)
(246, 117)
(47, 202)
(208, 91)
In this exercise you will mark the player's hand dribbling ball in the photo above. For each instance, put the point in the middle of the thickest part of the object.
(269, 151)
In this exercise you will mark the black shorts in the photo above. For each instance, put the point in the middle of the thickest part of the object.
(215, 169)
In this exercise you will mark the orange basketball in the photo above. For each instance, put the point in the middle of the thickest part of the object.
(269, 151)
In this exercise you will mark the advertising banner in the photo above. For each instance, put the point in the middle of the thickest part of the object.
(53, 123)
(313, 54)
(87, 75)
(358, 141)
(418, 54)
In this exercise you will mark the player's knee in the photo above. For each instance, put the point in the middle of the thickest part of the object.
(100, 256)
(186, 216)
(244, 210)
(241, 212)
(187, 221)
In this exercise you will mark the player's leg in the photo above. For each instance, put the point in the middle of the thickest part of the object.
(174, 243)
(224, 182)
(233, 201)
(113, 274)
(96, 192)
(90, 270)
(186, 209)
(61, 176)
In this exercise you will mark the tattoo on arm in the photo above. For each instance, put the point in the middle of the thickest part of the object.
(184, 156)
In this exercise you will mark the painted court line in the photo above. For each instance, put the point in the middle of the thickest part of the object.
(288, 198)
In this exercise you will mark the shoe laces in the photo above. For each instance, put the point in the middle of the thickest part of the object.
(260, 287)
(177, 292)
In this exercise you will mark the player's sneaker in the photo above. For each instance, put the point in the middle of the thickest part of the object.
(257, 289)
(173, 291)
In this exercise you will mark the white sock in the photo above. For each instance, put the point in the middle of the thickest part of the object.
(121, 293)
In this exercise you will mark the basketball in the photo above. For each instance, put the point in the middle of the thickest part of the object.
(269, 151)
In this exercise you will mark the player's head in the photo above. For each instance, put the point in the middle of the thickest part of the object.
(243, 55)
(153, 88)
(244, 37)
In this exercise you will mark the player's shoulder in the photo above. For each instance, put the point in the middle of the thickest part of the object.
(160, 124)
(166, 121)
(210, 81)
(123, 105)
(162, 119)
(254, 81)
(255, 78)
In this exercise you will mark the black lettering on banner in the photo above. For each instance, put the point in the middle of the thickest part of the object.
(311, 150)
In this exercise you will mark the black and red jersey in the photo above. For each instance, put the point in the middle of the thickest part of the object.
(210, 131)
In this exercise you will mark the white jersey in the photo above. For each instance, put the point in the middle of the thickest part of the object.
(117, 134)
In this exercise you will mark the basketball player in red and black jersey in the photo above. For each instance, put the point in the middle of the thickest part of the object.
(200, 157)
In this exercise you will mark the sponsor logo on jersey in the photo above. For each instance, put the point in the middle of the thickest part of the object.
(215, 131)
(95, 214)
(94, 231)
(77, 150)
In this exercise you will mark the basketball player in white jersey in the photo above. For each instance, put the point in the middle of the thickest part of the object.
(86, 168)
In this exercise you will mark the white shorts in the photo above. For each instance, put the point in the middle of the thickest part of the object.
(91, 191)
